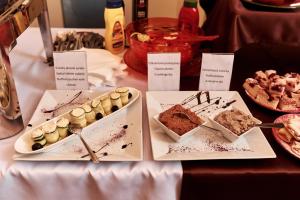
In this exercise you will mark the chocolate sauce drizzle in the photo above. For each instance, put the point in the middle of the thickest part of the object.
(198, 95)
(191, 98)
(44, 110)
(229, 104)
(126, 145)
(113, 139)
(207, 101)
(207, 96)
(211, 102)
(203, 109)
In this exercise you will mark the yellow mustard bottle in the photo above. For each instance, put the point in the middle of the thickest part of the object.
(114, 26)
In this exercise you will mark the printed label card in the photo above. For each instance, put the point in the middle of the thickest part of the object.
(216, 71)
(71, 70)
(164, 71)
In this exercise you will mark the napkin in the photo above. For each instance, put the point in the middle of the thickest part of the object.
(104, 68)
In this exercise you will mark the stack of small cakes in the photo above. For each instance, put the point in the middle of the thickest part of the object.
(124, 95)
(80, 117)
(100, 107)
(62, 127)
(77, 117)
(90, 115)
(50, 133)
(38, 139)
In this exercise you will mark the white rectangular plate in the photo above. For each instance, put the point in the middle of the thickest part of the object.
(117, 138)
(205, 144)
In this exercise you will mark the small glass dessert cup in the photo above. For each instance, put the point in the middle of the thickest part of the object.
(233, 123)
(186, 129)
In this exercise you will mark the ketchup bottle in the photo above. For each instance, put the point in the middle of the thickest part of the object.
(189, 17)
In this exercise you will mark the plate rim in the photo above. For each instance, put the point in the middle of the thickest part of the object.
(69, 138)
(28, 157)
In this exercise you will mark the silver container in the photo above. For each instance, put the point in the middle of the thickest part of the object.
(13, 22)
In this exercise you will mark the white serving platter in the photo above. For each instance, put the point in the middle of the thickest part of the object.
(205, 144)
(116, 137)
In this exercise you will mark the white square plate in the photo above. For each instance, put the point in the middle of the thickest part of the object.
(205, 144)
(108, 137)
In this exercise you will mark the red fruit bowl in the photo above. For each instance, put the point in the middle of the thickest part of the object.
(160, 35)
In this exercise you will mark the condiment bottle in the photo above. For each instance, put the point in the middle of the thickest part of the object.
(140, 9)
(114, 26)
(189, 17)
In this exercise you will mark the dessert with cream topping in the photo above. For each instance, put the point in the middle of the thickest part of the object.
(51, 132)
(38, 137)
(62, 127)
(90, 115)
(97, 107)
(106, 104)
(116, 100)
(78, 117)
(275, 91)
(124, 92)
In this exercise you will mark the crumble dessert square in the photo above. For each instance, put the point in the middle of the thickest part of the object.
(252, 87)
(287, 103)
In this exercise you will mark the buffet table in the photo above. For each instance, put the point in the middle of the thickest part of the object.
(239, 26)
(76, 180)
(234, 179)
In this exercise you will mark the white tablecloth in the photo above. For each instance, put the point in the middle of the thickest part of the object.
(77, 180)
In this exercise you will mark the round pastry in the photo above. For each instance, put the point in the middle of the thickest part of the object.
(97, 107)
(116, 99)
(78, 117)
(90, 115)
(62, 127)
(106, 104)
(123, 91)
(51, 133)
(38, 137)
